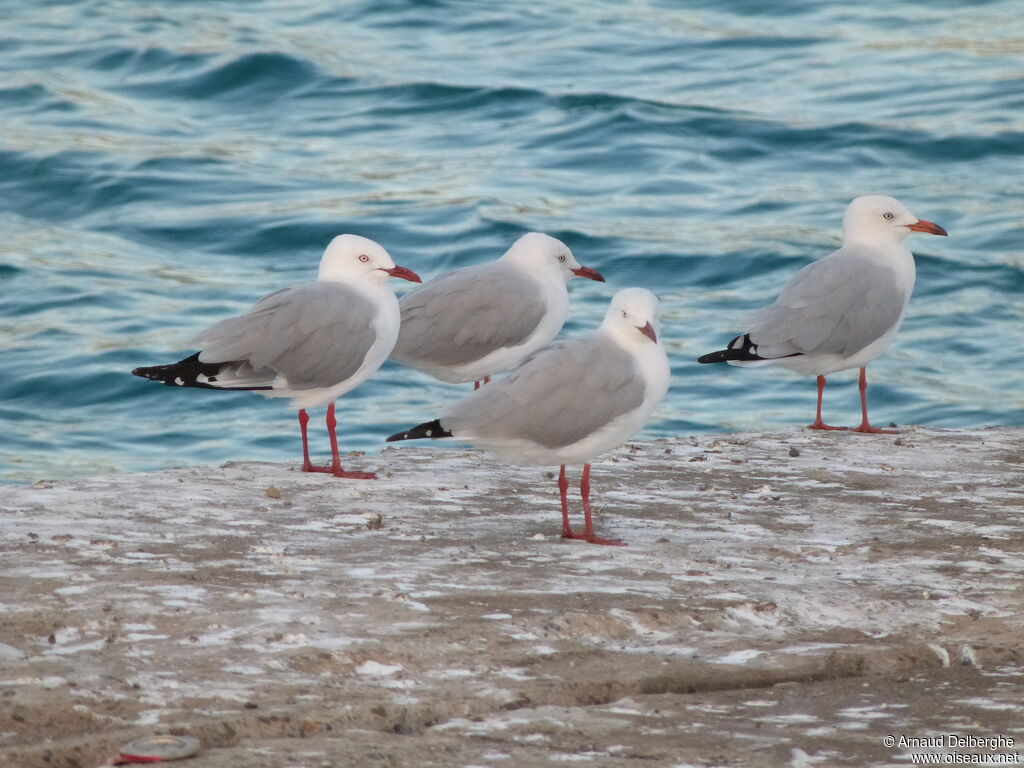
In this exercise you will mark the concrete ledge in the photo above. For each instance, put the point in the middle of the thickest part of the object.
(785, 599)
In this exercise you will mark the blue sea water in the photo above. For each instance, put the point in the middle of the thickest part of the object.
(163, 165)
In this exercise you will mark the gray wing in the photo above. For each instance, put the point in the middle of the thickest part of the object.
(315, 335)
(559, 395)
(465, 315)
(836, 305)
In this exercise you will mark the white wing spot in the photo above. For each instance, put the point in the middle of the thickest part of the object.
(179, 381)
(430, 432)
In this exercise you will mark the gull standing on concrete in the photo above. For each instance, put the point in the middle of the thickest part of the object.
(474, 322)
(842, 311)
(312, 342)
(570, 401)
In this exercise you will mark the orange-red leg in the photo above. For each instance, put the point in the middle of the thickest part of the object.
(307, 465)
(865, 426)
(588, 534)
(563, 492)
(335, 468)
(818, 423)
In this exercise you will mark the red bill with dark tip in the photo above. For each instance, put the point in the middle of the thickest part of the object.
(590, 274)
(926, 226)
(405, 274)
(648, 331)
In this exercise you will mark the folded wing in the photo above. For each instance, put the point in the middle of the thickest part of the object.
(837, 305)
(558, 396)
(465, 315)
(313, 335)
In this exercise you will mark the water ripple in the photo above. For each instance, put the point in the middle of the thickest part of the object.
(163, 167)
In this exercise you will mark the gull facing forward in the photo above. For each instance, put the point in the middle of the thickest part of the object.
(569, 402)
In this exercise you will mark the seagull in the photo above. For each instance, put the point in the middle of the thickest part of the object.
(570, 401)
(471, 323)
(842, 311)
(311, 342)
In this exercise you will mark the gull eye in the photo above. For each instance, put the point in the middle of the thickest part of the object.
(364, 258)
(562, 257)
(625, 315)
(888, 215)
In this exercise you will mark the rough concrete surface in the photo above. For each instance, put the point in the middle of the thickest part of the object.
(786, 599)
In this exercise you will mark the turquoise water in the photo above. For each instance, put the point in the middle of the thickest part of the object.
(163, 165)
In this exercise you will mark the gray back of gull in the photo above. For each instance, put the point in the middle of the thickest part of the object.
(467, 314)
(315, 335)
(836, 305)
(561, 394)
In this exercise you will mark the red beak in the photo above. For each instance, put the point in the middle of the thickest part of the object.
(405, 274)
(589, 273)
(648, 331)
(926, 226)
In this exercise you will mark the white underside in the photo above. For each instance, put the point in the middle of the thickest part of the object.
(527, 452)
(822, 365)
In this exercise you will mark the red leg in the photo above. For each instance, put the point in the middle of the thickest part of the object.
(307, 465)
(563, 491)
(588, 524)
(818, 423)
(476, 385)
(862, 385)
(487, 379)
(331, 424)
(335, 468)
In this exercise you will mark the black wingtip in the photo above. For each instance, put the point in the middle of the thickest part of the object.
(431, 429)
(713, 357)
(152, 372)
(185, 373)
(741, 348)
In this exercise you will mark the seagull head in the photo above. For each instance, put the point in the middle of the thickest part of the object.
(632, 316)
(878, 219)
(542, 253)
(351, 257)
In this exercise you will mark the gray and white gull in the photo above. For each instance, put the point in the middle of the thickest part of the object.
(312, 342)
(477, 321)
(570, 401)
(842, 311)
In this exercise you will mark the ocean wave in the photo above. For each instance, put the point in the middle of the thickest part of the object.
(257, 79)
